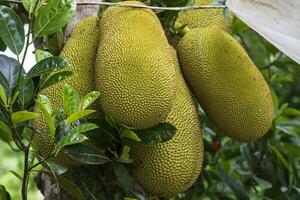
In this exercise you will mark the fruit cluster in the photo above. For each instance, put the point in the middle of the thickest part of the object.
(142, 82)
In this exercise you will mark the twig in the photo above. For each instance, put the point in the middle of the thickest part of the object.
(142, 6)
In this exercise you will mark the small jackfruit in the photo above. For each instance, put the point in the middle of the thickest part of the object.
(204, 17)
(229, 87)
(80, 50)
(172, 167)
(134, 68)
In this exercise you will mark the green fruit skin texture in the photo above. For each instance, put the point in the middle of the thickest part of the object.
(229, 87)
(134, 68)
(80, 50)
(171, 167)
(204, 17)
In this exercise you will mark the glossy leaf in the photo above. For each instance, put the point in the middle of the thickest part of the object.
(79, 115)
(76, 135)
(71, 99)
(5, 132)
(86, 154)
(3, 95)
(129, 134)
(12, 29)
(41, 54)
(26, 88)
(56, 78)
(123, 176)
(22, 116)
(160, 133)
(57, 168)
(89, 99)
(47, 65)
(4, 195)
(55, 15)
(9, 68)
(46, 108)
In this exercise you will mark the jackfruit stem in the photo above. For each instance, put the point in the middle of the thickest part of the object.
(181, 29)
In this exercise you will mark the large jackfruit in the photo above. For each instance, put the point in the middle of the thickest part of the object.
(171, 167)
(227, 83)
(134, 68)
(80, 50)
(204, 17)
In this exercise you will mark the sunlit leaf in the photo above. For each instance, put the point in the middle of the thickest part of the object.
(55, 15)
(56, 78)
(89, 99)
(46, 108)
(3, 95)
(12, 29)
(41, 54)
(79, 115)
(29, 5)
(22, 116)
(86, 154)
(71, 99)
(129, 134)
(76, 135)
(47, 65)
(18, 176)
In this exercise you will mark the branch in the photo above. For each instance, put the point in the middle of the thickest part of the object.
(142, 6)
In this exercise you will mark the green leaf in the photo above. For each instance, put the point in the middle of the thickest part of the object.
(290, 123)
(89, 99)
(5, 132)
(124, 158)
(3, 96)
(291, 112)
(281, 158)
(86, 154)
(123, 176)
(129, 134)
(27, 133)
(79, 115)
(4, 115)
(57, 168)
(75, 135)
(12, 29)
(18, 176)
(71, 99)
(41, 54)
(236, 187)
(157, 134)
(55, 15)
(9, 69)
(29, 5)
(110, 120)
(26, 88)
(4, 195)
(47, 65)
(55, 42)
(22, 116)
(263, 183)
(275, 100)
(56, 78)
(45, 106)
(2, 45)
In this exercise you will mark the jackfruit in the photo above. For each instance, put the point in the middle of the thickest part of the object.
(204, 17)
(134, 68)
(80, 50)
(226, 82)
(168, 168)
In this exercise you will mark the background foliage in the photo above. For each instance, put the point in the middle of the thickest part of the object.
(266, 169)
